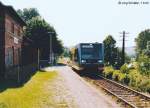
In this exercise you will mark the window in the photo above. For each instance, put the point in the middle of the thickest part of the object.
(18, 32)
(89, 52)
(8, 25)
(9, 60)
(12, 27)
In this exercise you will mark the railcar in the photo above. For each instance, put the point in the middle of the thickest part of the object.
(88, 56)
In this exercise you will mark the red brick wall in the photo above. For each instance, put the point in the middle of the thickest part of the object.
(12, 30)
(1, 41)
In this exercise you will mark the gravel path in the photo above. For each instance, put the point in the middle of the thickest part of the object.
(84, 95)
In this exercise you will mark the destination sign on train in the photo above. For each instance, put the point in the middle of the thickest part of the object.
(87, 46)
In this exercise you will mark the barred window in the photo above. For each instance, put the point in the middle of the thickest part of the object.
(18, 32)
(12, 27)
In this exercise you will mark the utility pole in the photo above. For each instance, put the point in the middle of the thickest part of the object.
(51, 50)
(38, 58)
(123, 46)
(51, 46)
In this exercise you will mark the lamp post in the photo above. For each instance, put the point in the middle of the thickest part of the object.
(51, 50)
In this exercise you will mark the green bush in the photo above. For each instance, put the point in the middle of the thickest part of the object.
(122, 77)
(135, 78)
(144, 85)
(108, 72)
(144, 64)
(115, 75)
(131, 77)
(126, 79)
(124, 69)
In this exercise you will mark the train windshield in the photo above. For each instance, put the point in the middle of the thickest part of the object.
(91, 51)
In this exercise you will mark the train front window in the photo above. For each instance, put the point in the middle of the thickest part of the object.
(91, 52)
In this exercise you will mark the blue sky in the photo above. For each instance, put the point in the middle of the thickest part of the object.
(90, 20)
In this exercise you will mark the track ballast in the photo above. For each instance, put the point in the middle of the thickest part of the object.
(127, 95)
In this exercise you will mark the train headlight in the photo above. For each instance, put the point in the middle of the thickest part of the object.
(83, 61)
(100, 61)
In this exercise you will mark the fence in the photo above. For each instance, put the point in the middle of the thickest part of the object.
(12, 63)
(20, 64)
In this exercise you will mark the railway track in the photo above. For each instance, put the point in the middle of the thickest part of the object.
(125, 94)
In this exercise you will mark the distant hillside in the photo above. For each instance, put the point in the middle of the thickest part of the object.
(130, 51)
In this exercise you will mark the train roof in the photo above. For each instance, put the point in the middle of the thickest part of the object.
(87, 43)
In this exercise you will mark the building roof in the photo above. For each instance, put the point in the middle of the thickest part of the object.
(13, 13)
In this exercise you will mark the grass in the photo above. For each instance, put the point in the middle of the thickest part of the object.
(33, 94)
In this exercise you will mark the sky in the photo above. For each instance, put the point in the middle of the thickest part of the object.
(79, 21)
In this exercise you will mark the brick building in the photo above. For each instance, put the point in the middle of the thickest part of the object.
(11, 35)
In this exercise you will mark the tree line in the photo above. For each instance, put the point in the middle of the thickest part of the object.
(39, 31)
(113, 53)
(135, 73)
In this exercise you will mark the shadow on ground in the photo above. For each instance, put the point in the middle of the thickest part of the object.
(15, 83)
(43, 69)
(60, 64)
(92, 74)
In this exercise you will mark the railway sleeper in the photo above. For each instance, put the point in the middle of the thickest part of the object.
(142, 105)
(114, 88)
(128, 99)
(130, 96)
(132, 99)
(124, 95)
(121, 91)
(146, 103)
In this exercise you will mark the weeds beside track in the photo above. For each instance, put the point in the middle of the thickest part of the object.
(125, 94)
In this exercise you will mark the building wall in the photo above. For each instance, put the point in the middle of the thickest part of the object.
(13, 39)
(16, 54)
(13, 29)
(12, 46)
(2, 42)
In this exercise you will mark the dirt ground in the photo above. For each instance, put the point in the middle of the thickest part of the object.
(71, 91)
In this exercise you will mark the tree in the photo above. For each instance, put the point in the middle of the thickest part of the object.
(118, 61)
(38, 30)
(28, 14)
(147, 50)
(144, 64)
(66, 52)
(143, 51)
(57, 46)
(110, 50)
(141, 41)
